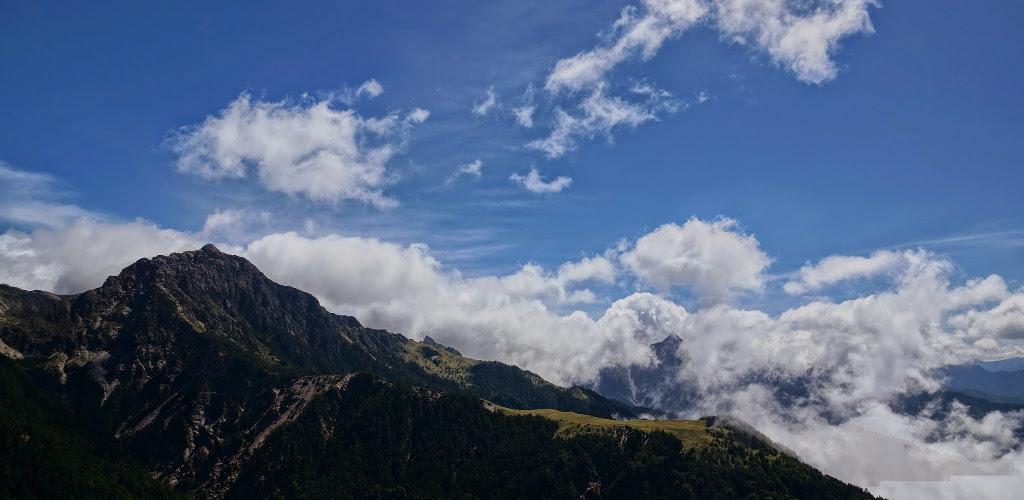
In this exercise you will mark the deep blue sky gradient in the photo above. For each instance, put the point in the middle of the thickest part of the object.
(918, 139)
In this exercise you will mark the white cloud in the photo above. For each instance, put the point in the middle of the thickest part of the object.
(524, 116)
(1005, 320)
(308, 149)
(471, 169)
(851, 358)
(523, 113)
(233, 224)
(634, 34)
(79, 256)
(505, 317)
(30, 199)
(587, 269)
(534, 183)
(801, 36)
(907, 457)
(712, 258)
(798, 35)
(418, 115)
(640, 319)
(600, 114)
(346, 270)
(483, 107)
(370, 88)
(837, 268)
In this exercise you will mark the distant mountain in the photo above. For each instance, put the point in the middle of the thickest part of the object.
(939, 404)
(656, 386)
(983, 387)
(221, 383)
(1003, 365)
(997, 386)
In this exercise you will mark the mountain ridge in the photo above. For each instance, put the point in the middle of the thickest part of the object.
(177, 351)
(205, 371)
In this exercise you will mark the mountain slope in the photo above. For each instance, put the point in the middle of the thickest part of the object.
(183, 358)
(210, 300)
(999, 386)
(369, 438)
(655, 386)
(44, 449)
(223, 383)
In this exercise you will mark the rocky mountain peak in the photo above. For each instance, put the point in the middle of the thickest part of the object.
(210, 248)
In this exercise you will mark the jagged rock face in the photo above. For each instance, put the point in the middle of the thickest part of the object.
(657, 386)
(188, 359)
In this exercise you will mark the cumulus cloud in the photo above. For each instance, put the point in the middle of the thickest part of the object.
(1005, 320)
(79, 256)
(309, 149)
(487, 104)
(800, 36)
(910, 457)
(714, 258)
(346, 270)
(509, 317)
(848, 360)
(233, 224)
(534, 183)
(471, 169)
(837, 268)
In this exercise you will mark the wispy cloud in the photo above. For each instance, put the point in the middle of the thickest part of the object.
(800, 36)
(485, 106)
(1011, 238)
(534, 183)
(31, 199)
(471, 169)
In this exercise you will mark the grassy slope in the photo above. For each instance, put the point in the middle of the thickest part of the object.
(691, 432)
(375, 439)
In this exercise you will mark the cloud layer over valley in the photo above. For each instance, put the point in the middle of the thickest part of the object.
(851, 358)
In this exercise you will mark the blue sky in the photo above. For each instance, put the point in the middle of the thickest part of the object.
(827, 190)
(916, 139)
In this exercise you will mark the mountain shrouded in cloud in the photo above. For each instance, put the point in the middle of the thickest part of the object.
(851, 358)
(796, 218)
(223, 384)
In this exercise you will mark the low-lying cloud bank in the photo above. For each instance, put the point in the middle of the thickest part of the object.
(851, 358)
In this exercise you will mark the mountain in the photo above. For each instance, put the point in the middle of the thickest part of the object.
(218, 382)
(47, 452)
(939, 405)
(1003, 365)
(995, 385)
(983, 387)
(655, 386)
